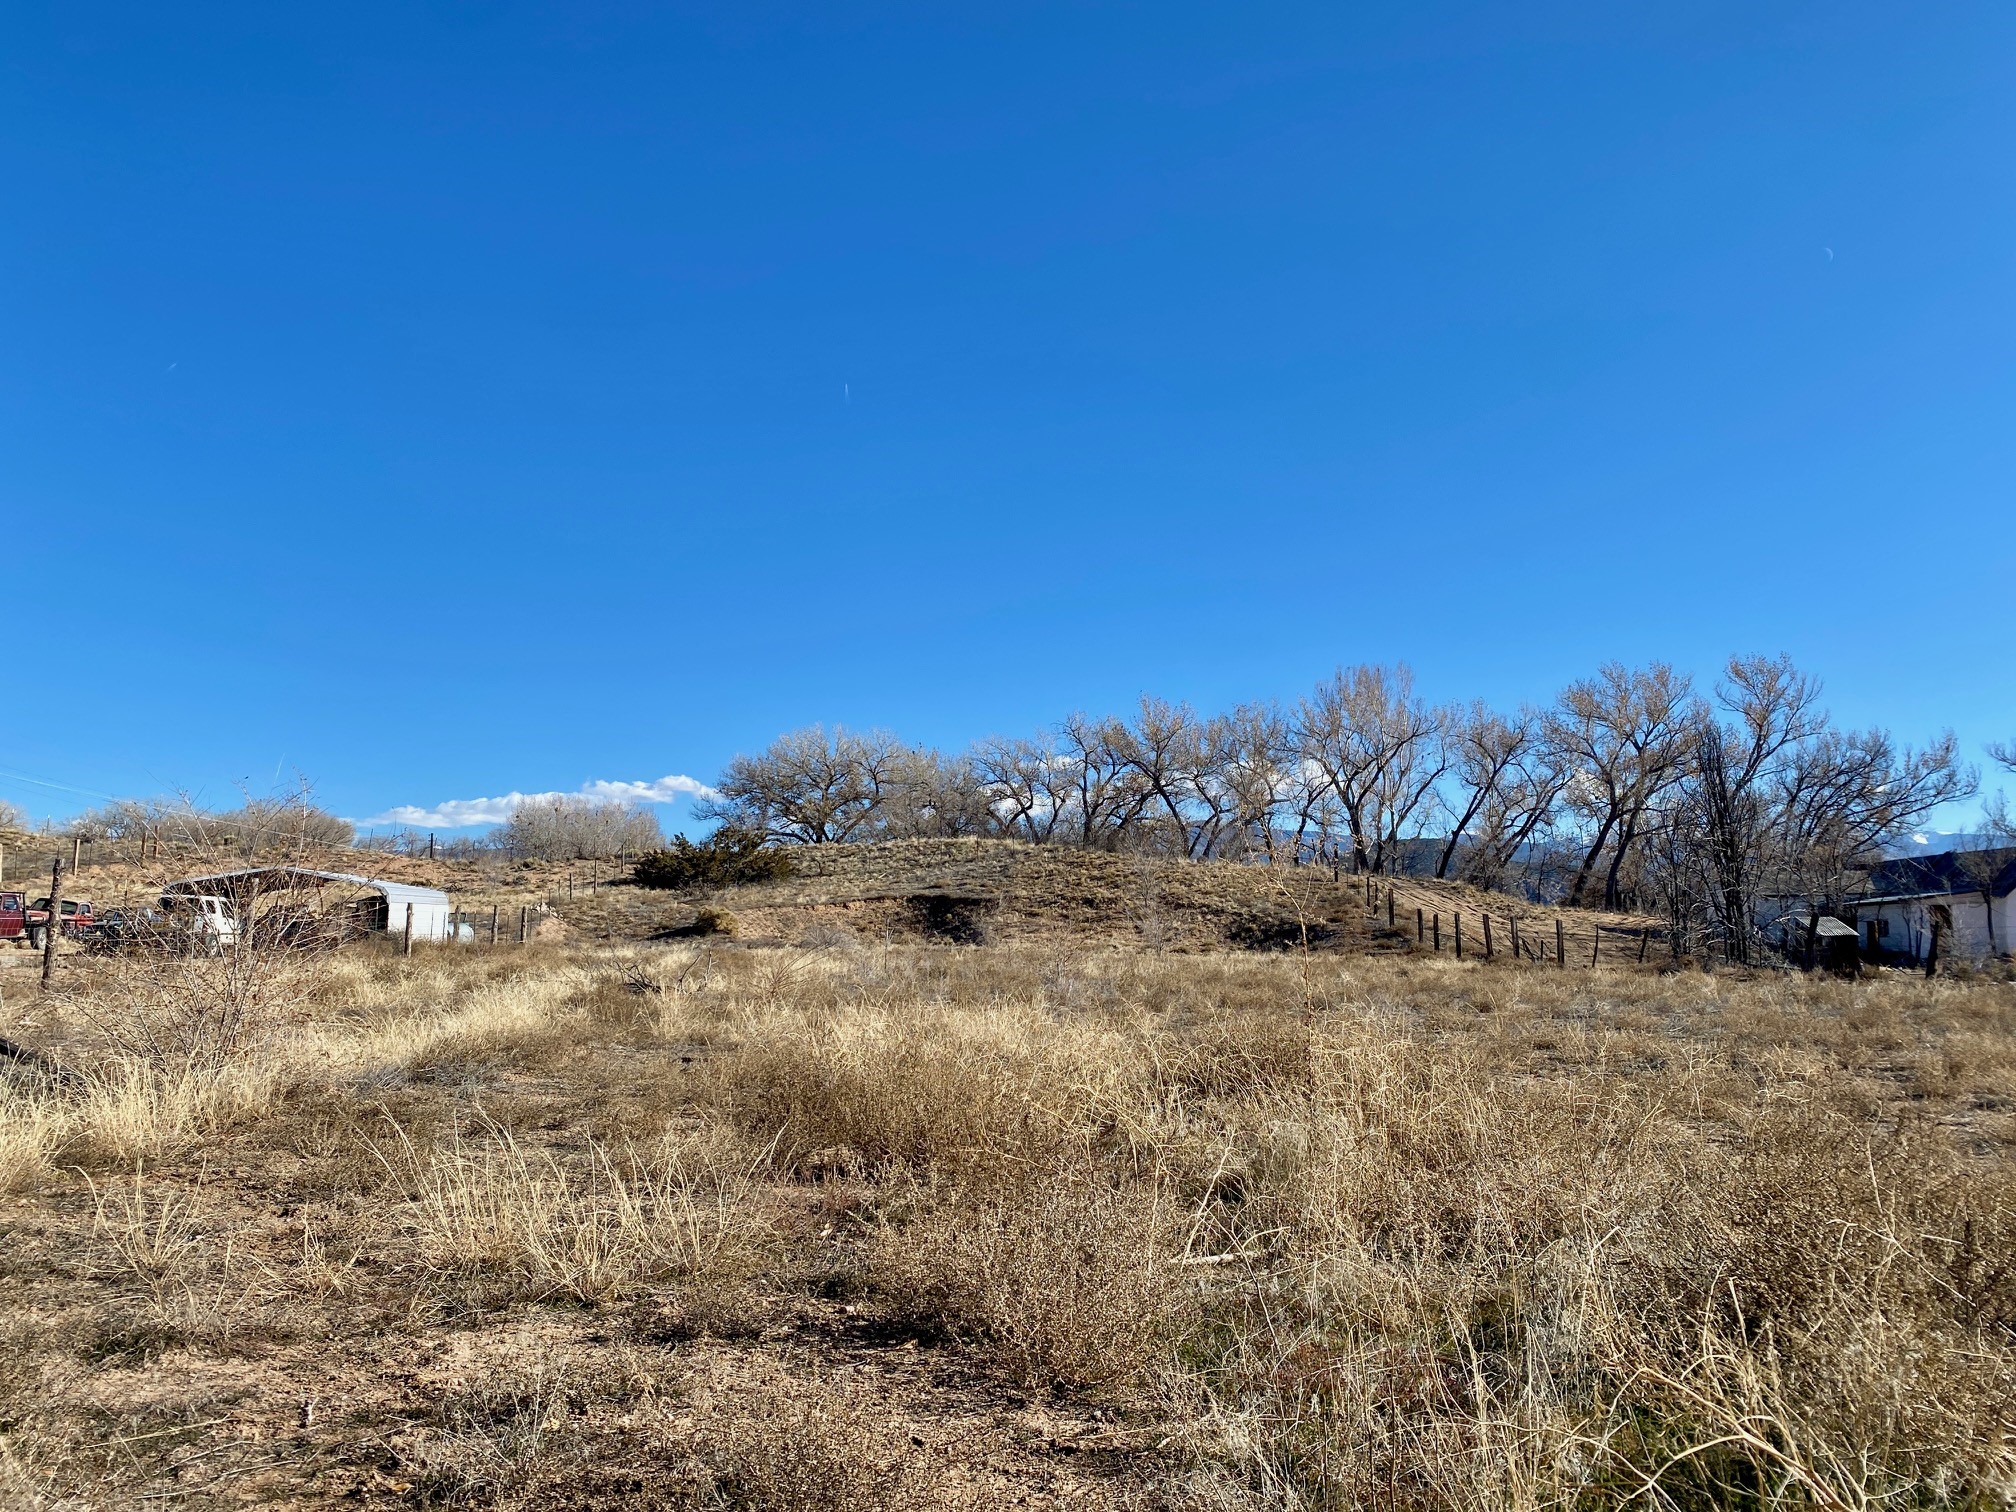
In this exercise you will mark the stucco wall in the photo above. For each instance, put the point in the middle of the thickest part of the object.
(1911, 926)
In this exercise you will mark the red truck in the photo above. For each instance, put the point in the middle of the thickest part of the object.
(22, 920)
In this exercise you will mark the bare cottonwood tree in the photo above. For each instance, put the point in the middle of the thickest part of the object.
(808, 787)
(930, 796)
(1164, 748)
(1508, 778)
(1377, 747)
(1627, 730)
(1107, 795)
(1026, 786)
(1246, 783)
(1738, 767)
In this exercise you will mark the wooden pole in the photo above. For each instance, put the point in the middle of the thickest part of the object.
(1438, 931)
(1515, 937)
(1596, 949)
(76, 852)
(1389, 905)
(1560, 944)
(1644, 939)
(493, 923)
(1458, 917)
(524, 915)
(3, 863)
(1420, 927)
(430, 845)
(408, 948)
(1487, 937)
(54, 928)
(1931, 955)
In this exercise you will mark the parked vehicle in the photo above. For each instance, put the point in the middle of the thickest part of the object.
(209, 923)
(22, 920)
(183, 925)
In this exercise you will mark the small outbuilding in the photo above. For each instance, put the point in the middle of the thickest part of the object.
(1820, 942)
(354, 904)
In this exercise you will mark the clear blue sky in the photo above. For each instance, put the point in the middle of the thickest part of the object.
(447, 399)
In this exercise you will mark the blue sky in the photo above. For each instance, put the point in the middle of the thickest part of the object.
(446, 400)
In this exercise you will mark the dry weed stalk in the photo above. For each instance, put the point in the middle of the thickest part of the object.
(593, 1229)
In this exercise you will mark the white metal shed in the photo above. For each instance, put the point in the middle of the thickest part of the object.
(431, 907)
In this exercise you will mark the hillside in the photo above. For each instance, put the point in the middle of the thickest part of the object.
(967, 891)
(1004, 891)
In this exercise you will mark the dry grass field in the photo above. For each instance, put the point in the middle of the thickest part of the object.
(1038, 1222)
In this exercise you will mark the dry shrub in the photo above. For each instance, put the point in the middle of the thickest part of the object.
(508, 1431)
(869, 1094)
(780, 1444)
(1064, 1276)
(33, 1127)
(485, 1210)
(539, 1439)
(193, 1014)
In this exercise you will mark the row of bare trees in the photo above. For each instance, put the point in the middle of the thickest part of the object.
(258, 826)
(1629, 788)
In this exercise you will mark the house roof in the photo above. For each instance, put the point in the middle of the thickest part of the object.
(395, 893)
(1946, 873)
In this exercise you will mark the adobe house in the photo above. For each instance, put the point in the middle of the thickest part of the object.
(1969, 895)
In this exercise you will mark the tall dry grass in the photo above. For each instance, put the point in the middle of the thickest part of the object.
(593, 1227)
(1447, 1238)
(1347, 1233)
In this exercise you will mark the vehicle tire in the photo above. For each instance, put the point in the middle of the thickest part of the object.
(36, 935)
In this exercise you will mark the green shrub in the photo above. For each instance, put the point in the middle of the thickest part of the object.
(724, 858)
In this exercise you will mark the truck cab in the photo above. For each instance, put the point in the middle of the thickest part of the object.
(13, 916)
(78, 919)
(210, 922)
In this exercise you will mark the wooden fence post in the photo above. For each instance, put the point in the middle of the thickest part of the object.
(493, 923)
(1487, 937)
(1931, 955)
(1560, 944)
(53, 930)
(1420, 927)
(1438, 931)
(1514, 922)
(1596, 949)
(524, 916)
(76, 853)
(1389, 905)
(407, 948)
(1459, 934)
(1644, 939)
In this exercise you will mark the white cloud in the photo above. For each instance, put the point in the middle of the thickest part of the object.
(463, 813)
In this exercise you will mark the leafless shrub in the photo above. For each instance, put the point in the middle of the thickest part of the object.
(803, 1446)
(574, 828)
(1068, 1279)
(194, 1014)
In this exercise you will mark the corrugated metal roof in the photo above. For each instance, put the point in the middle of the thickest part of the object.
(395, 893)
